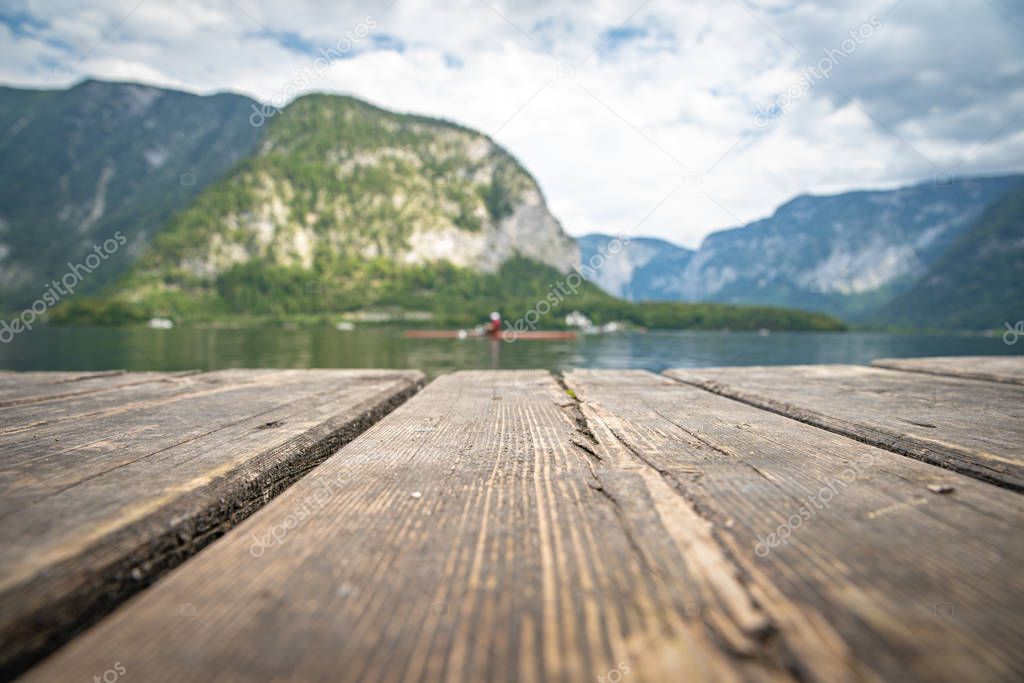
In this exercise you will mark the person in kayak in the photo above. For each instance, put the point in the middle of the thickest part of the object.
(493, 328)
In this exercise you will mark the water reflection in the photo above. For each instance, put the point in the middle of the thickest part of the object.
(384, 347)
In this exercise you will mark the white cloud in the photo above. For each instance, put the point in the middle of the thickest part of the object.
(676, 86)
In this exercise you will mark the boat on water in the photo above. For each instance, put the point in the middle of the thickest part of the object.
(529, 335)
(492, 330)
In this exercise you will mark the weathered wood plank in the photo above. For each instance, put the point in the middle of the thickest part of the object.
(1007, 369)
(104, 492)
(52, 451)
(11, 378)
(973, 427)
(19, 388)
(131, 392)
(464, 537)
(879, 576)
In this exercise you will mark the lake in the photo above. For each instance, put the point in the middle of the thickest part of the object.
(210, 348)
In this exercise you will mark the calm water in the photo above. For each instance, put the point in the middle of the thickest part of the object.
(64, 348)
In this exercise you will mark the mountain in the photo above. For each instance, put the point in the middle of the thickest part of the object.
(978, 283)
(641, 271)
(82, 164)
(365, 203)
(336, 178)
(845, 254)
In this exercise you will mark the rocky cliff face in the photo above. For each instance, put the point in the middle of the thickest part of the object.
(336, 179)
(848, 244)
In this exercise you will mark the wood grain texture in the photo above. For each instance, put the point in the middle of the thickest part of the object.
(970, 426)
(1006, 369)
(465, 537)
(879, 576)
(103, 490)
(19, 388)
(499, 527)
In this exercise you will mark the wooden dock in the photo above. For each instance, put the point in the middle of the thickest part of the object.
(808, 523)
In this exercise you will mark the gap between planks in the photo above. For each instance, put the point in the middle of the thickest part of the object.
(970, 426)
(1003, 369)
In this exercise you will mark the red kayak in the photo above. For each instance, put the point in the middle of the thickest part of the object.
(535, 335)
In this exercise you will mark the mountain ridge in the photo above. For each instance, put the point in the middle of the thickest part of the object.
(85, 162)
(846, 253)
(977, 283)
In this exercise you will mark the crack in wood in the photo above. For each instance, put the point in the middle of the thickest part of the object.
(740, 626)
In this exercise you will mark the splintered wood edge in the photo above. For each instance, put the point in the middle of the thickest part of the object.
(821, 647)
(36, 631)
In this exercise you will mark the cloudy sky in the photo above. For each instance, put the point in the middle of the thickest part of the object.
(668, 117)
